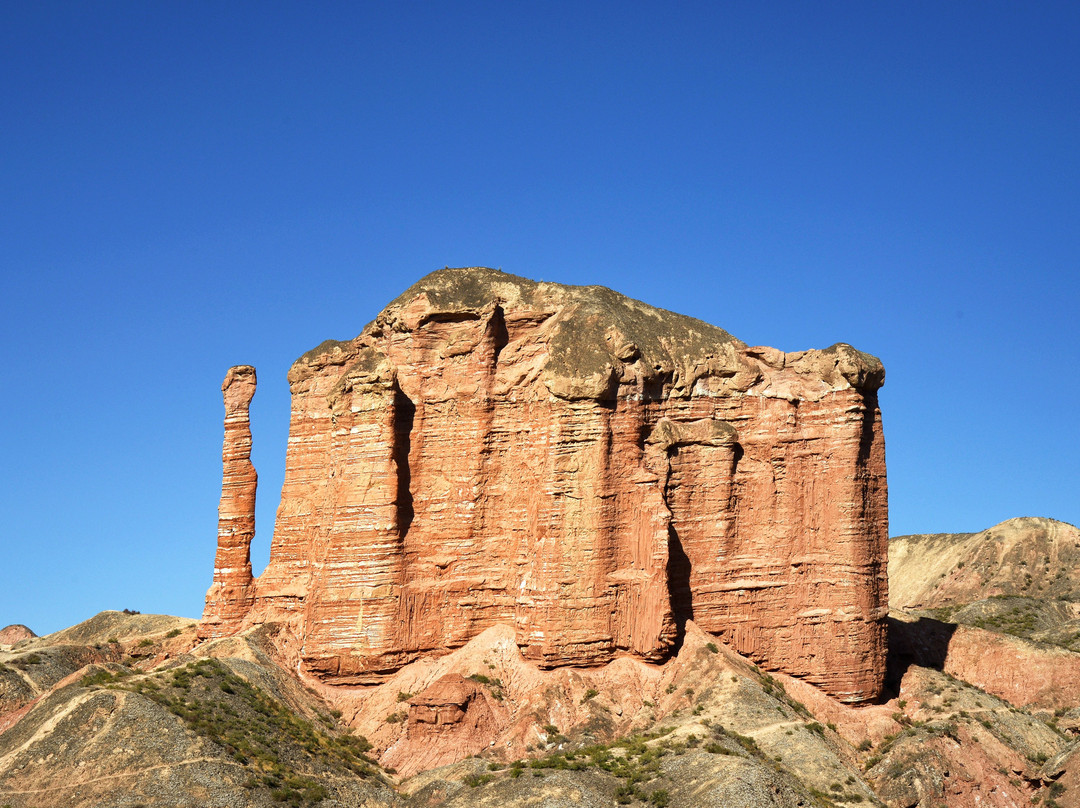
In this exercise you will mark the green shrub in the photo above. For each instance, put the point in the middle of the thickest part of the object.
(102, 677)
(591, 693)
(713, 648)
(474, 780)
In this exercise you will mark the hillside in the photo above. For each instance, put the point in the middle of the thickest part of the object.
(152, 717)
(1021, 577)
(129, 709)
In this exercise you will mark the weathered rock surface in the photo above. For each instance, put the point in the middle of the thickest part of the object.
(581, 466)
(453, 718)
(230, 596)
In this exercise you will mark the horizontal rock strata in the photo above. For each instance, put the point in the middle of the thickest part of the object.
(584, 467)
(230, 596)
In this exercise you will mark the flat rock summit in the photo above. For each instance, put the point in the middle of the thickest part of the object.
(584, 468)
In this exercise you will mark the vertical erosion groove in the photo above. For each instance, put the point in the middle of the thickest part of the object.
(679, 567)
(499, 335)
(404, 411)
(679, 591)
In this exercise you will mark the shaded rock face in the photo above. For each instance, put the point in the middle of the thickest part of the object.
(586, 468)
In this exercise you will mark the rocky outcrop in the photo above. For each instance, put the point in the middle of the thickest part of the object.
(9, 635)
(449, 720)
(230, 597)
(578, 465)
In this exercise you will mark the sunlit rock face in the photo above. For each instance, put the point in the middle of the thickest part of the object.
(584, 467)
(230, 597)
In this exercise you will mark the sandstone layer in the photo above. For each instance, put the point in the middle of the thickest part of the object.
(583, 467)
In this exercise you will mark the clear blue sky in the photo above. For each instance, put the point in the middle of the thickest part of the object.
(187, 186)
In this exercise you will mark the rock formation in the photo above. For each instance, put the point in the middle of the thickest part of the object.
(581, 466)
(230, 596)
(958, 596)
(453, 718)
(9, 635)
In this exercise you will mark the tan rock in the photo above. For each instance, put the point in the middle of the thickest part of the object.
(583, 467)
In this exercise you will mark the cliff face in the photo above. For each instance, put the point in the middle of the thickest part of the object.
(586, 468)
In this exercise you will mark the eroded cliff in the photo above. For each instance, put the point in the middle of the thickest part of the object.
(584, 467)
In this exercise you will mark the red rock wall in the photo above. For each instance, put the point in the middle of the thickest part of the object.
(587, 469)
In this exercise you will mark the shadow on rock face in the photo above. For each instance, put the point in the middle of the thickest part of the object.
(923, 642)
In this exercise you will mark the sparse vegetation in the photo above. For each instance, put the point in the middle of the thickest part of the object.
(103, 677)
(283, 752)
(494, 684)
(635, 760)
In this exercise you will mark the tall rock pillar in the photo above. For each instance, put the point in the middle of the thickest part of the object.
(230, 596)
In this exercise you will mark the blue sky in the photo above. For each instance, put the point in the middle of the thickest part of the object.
(187, 186)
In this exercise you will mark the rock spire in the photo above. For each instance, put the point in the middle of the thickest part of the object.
(230, 596)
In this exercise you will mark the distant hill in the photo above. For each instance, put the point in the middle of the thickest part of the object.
(1020, 577)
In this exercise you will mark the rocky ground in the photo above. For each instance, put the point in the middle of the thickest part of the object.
(128, 710)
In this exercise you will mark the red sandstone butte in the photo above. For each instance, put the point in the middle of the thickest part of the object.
(230, 597)
(584, 467)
